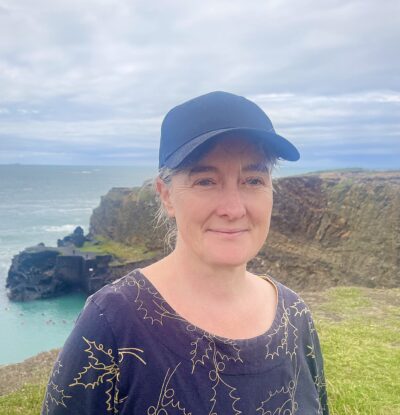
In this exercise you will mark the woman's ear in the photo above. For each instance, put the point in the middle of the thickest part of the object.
(165, 195)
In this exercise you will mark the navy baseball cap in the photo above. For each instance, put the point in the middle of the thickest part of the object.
(191, 124)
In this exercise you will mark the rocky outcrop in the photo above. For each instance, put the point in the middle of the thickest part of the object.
(126, 215)
(43, 272)
(31, 274)
(327, 229)
(77, 239)
(336, 229)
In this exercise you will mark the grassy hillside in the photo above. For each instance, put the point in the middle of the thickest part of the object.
(359, 329)
(360, 335)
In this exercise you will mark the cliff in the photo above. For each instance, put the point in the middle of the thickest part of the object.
(327, 229)
(126, 215)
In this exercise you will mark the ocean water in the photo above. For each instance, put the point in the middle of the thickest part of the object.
(43, 204)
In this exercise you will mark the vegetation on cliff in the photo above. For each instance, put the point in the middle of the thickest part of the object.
(122, 254)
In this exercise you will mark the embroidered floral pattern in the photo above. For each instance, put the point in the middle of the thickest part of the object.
(213, 359)
(101, 367)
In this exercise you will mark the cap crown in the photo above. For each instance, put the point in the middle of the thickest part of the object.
(211, 112)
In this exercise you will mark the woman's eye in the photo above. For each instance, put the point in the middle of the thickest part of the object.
(204, 182)
(254, 181)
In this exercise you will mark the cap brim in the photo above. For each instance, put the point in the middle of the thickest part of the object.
(274, 143)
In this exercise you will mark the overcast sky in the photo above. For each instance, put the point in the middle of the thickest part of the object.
(88, 82)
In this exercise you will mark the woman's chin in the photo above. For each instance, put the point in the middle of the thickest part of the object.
(229, 259)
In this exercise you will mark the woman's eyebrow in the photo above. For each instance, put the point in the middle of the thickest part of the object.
(258, 167)
(202, 168)
(255, 167)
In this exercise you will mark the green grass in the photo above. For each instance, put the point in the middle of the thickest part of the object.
(362, 368)
(359, 329)
(27, 401)
(121, 252)
(344, 301)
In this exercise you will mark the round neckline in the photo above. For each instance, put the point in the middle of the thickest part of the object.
(247, 342)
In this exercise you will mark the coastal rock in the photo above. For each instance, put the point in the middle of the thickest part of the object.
(43, 272)
(77, 239)
(127, 215)
(327, 229)
(335, 228)
(31, 275)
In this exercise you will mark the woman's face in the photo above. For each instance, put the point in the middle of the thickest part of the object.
(222, 205)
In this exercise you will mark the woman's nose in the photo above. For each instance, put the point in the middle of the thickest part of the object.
(230, 203)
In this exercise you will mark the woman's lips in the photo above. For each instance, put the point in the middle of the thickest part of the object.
(228, 232)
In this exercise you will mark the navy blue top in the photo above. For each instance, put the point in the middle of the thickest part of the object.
(131, 353)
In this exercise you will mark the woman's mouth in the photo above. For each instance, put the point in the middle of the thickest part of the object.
(228, 232)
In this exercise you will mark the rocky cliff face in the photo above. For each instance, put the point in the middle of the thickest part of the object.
(336, 228)
(44, 272)
(126, 215)
(31, 275)
(327, 229)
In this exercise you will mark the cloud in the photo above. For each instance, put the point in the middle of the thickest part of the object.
(104, 72)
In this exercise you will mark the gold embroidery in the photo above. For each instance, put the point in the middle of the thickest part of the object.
(54, 393)
(300, 308)
(155, 314)
(102, 367)
(57, 368)
(287, 332)
(311, 352)
(129, 350)
(220, 384)
(202, 347)
(167, 398)
(205, 344)
(277, 402)
(272, 406)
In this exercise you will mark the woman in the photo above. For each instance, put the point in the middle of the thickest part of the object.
(196, 333)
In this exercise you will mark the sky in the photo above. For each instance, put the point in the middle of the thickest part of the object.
(89, 82)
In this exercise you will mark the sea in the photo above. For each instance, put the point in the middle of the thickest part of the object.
(42, 204)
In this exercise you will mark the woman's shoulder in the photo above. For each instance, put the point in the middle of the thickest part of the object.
(290, 301)
(283, 290)
(118, 294)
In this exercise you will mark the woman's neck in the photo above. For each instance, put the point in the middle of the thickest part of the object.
(190, 274)
(230, 303)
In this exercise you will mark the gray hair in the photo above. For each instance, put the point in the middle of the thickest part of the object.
(161, 217)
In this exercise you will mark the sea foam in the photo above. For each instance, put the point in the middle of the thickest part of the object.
(60, 228)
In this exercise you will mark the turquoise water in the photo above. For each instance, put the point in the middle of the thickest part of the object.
(43, 204)
(31, 327)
